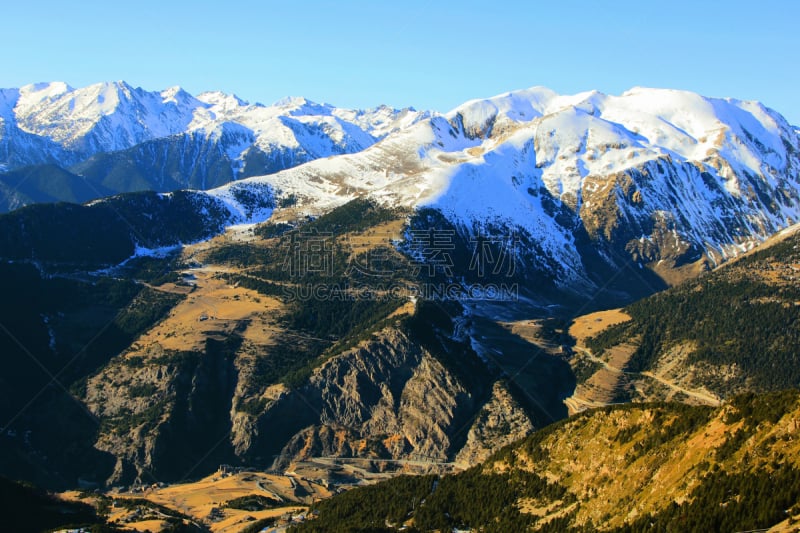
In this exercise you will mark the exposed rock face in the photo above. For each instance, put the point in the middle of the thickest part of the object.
(174, 415)
(499, 423)
(386, 398)
(165, 417)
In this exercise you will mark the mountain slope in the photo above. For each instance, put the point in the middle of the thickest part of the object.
(658, 184)
(659, 467)
(107, 232)
(241, 365)
(253, 366)
(55, 331)
(684, 336)
(45, 184)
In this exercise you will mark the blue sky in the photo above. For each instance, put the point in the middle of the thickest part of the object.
(428, 54)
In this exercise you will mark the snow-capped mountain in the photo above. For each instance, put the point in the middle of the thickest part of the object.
(171, 139)
(661, 177)
(588, 182)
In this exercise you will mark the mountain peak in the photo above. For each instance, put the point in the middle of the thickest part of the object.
(119, 87)
(43, 90)
(229, 101)
(174, 94)
(293, 101)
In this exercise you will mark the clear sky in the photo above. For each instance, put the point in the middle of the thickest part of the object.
(424, 53)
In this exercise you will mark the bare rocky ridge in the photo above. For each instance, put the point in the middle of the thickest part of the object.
(500, 422)
(388, 391)
(387, 398)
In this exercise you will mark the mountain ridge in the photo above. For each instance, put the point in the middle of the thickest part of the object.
(53, 123)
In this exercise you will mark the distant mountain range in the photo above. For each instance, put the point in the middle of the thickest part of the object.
(110, 138)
